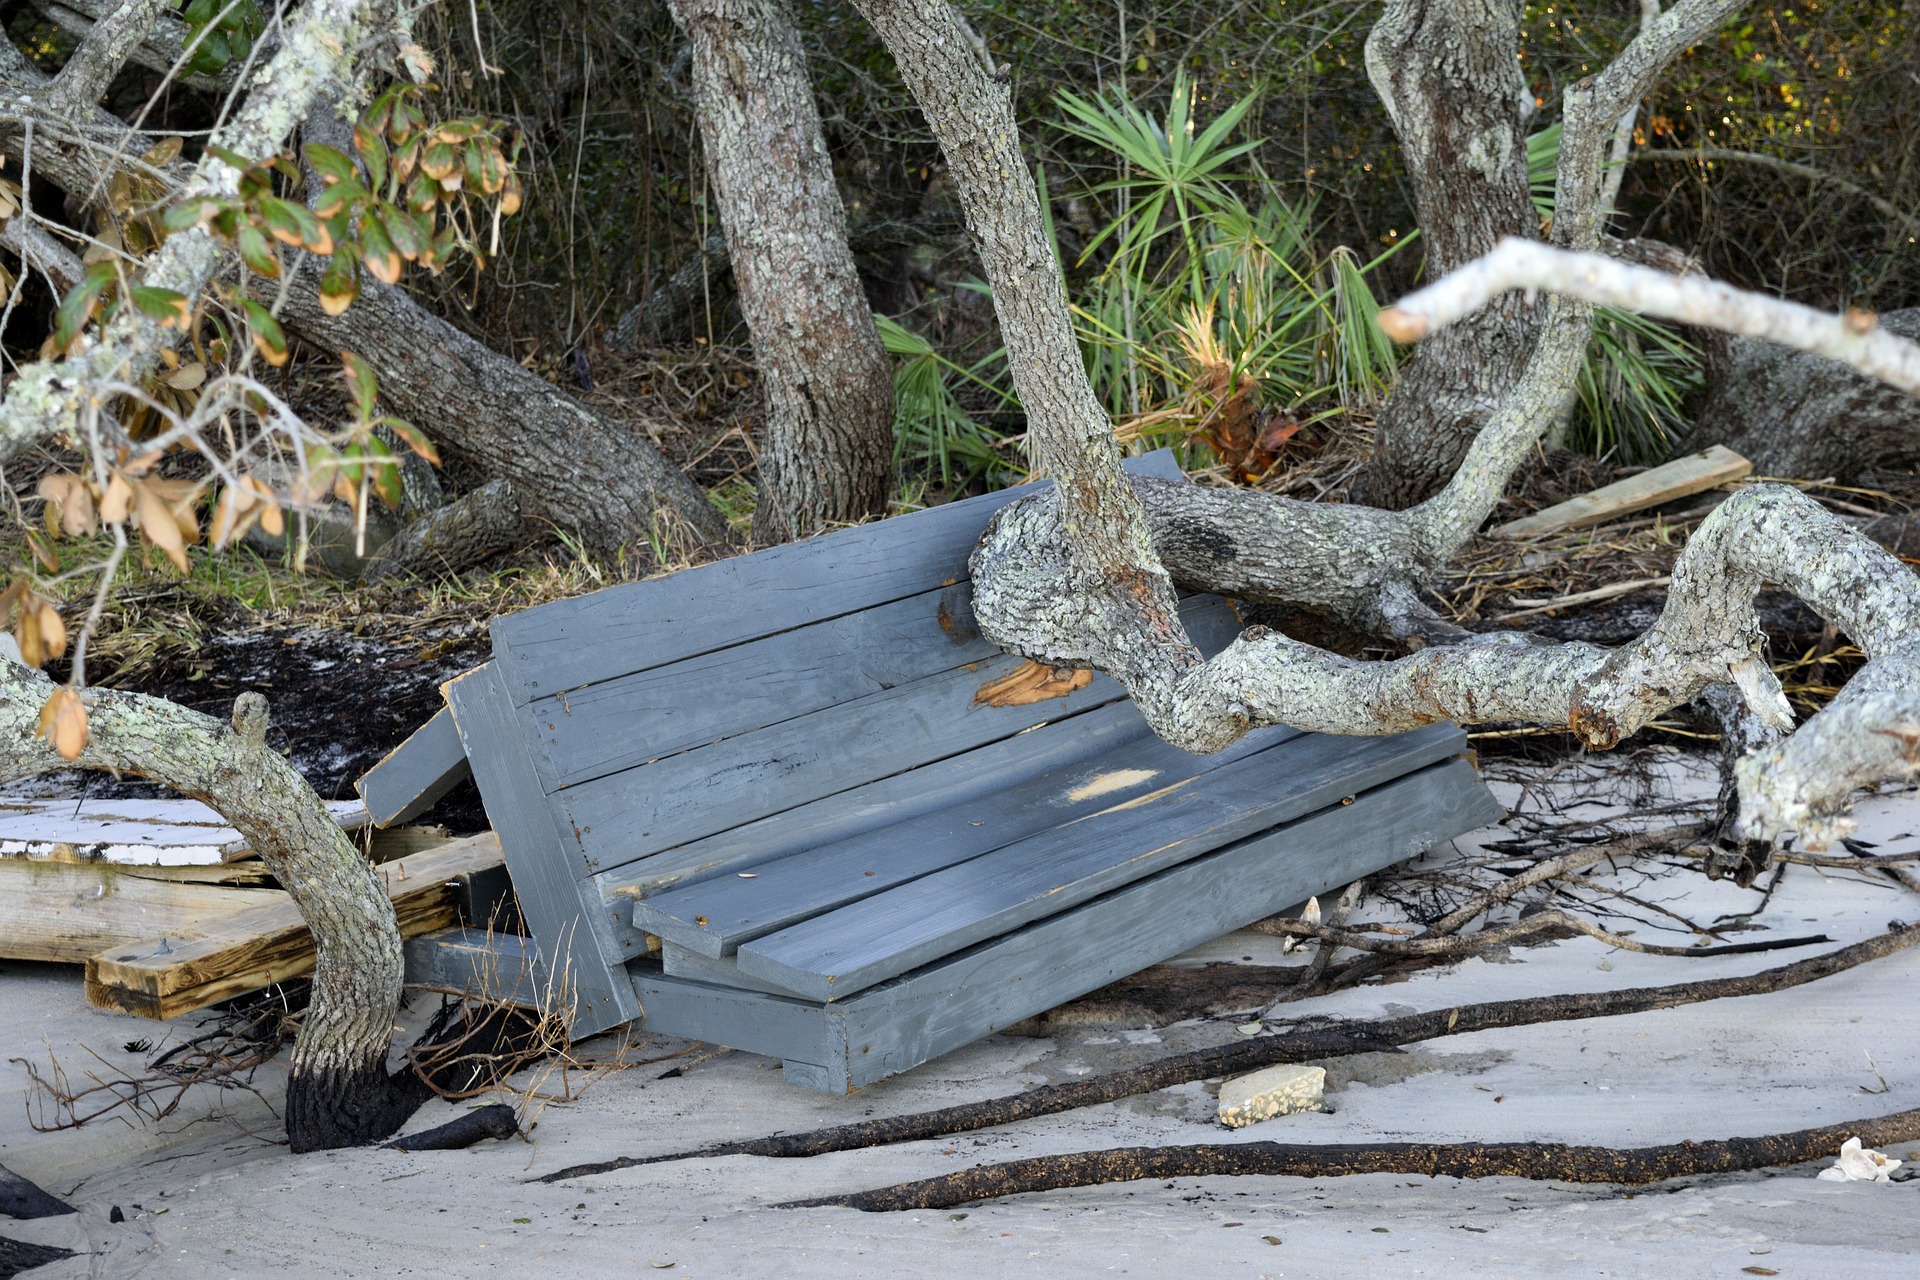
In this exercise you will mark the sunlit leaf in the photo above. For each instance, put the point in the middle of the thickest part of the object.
(361, 384)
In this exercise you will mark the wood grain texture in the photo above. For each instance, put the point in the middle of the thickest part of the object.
(849, 949)
(748, 1020)
(895, 1027)
(415, 774)
(575, 930)
(716, 915)
(1680, 478)
(247, 950)
(493, 966)
(636, 626)
(63, 912)
(669, 802)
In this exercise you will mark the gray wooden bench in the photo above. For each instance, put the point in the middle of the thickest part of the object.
(761, 803)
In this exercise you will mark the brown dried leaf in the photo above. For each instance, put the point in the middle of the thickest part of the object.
(118, 499)
(189, 377)
(53, 632)
(63, 723)
(157, 523)
(68, 497)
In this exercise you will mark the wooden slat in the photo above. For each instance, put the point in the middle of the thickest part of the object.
(843, 951)
(1680, 478)
(575, 930)
(954, 1002)
(251, 949)
(168, 832)
(618, 724)
(490, 965)
(696, 793)
(876, 805)
(679, 962)
(63, 911)
(572, 643)
(716, 915)
(415, 774)
(747, 1020)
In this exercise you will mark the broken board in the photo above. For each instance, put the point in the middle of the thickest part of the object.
(152, 833)
(1680, 478)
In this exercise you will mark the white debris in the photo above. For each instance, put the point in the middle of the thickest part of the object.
(1856, 1163)
(1276, 1091)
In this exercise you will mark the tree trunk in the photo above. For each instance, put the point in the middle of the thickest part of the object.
(484, 523)
(1802, 415)
(339, 1093)
(568, 465)
(1448, 72)
(826, 456)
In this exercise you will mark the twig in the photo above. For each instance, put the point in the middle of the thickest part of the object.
(1265, 1051)
(1495, 935)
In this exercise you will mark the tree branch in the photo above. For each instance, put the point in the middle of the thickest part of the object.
(102, 52)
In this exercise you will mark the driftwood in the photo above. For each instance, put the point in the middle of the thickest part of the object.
(494, 1121)
(1383, 1035)
(1544, 1161)
(22, 1199)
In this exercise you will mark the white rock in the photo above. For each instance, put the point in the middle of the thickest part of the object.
(1276, 1091)
(1856, 1163)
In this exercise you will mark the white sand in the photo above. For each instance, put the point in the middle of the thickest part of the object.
(215, 1197)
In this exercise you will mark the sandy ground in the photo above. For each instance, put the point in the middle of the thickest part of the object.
(209, 1192)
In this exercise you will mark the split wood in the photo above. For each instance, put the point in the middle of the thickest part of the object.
(1544, 1161)
(1250, 1055)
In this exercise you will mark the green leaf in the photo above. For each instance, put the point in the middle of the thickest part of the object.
(211, 55)
(377, 253)
(189, 213)
(331, 163)
(232, 157)
(423, 193)
(338, 197)
(294, 224)
(414, 438)
(257, 252)
(373, 152)
(386, 471)
(268, 337)
(361, 383)
(79, 304)
(408, 235)
(163, 306)
(341, 284)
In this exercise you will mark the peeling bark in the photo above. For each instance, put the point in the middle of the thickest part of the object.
(827, 453)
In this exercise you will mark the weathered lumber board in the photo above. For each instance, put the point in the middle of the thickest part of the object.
(415, 774)
(561, 909)
(251, 949)
(1680, 478)
(164, 833)
(714, 916)
(485, 963)
(63, 911)
(843, 951)
(572, 643)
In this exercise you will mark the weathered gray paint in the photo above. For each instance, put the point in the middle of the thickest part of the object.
(415, 774)
(497, 966)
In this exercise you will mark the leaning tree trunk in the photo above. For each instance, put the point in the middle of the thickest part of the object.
(826, 454)
(1448, 72)
(339, 1093)
(1797, 414)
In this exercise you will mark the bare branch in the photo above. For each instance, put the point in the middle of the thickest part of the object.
(1791, 167)
(102, 52)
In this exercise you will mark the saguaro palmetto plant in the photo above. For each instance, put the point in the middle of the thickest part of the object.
(1084, 575)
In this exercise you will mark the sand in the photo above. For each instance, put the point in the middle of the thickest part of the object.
(208, 1192)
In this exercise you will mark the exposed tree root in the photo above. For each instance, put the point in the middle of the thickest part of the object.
(22, 1199)
(1495, 935)
(18, 1255)
(1250, 1055)
(496, 1120)
(1544, 1161)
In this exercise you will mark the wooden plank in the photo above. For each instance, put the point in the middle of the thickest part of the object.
(170, 832)
(1680, 478)
(415, 774)
(618, 724)
(625, 816)
(716, 915)
(679, 962)
(575, 929)
(847, 950)
(745, 1020)
(64, 911)
(250, 949)
(895, 1027)
(572, 643)
(876, 805)
(492, 966)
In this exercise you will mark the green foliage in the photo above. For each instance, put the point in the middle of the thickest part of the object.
(932, 429)
(220, 32)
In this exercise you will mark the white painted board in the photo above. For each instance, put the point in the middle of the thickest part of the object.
(147, 833)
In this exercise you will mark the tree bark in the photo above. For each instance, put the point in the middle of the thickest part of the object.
(568, 465)
(1797, 414)
(826, 456)
(338, 1093)
(1448, 72)
(466, 531)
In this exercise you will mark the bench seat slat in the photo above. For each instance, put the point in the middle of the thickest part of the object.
(846, 950)
(572, 643)
(716, 915)
(625, 816)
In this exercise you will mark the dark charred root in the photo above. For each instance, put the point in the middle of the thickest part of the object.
(493, 1121)
(17, 1256)
(1384, 1035)
(1541, 1161)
